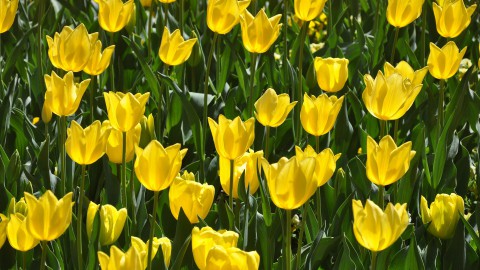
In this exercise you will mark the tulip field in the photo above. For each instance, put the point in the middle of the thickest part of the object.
(239, 134)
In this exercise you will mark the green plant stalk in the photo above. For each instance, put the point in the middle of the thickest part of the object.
(152, 228)
(377, 11)
(397, 30)
(318, 194)
(44, 254)
(267, 140)
(253, 67)
(383, 127)
(92, 98)
(63, 155)
(374, 260)
(167, 100)
(230, 195)
(112, 62)
(423, 37)
(132, 190)
(24, 260)
(285, 45)
(381, 195)
(124, 171)
(304, 210)
(41, 11)
(150, 18)
(303, 34)
(182, 15)
(165, 9)
(395, 131)
(79, 219)
(441, 100)
(288, 239)
(330, 17)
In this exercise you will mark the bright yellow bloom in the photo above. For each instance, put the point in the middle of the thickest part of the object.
(318, 115)
(443, 63)
(113, 15)
(99, 60)
(46, 114)
(142, 247)
(203, 240)
(111, 222)
(389, 98)
(8, 10)
(156, 167)
(272, 109)
(291, 181)
(3, 229)
(401, 13)
(18, 235)
(174, 50)
(232, 138)
(387, 163)
(167, 1)
(259, 33)
(132, 259)
(71, 49)
(125, 110)
(115, 143)
(332, 73)
(146, 3)
(231, 258)
(403, 68)
(307, 10)
(63, 95)
(376, 229)
(247, 164)
(85, 146)
(325, 162)
(223, 15)
(443, 215)
(48, 218)
(452, 17)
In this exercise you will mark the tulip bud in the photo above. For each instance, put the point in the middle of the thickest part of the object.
(8, 11)
(46, 114)
(111, 222)
(253, 41)
(443, 215)
(197, 53)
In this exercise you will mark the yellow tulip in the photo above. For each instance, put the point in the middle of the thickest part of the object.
(48, 218)
(111, 222)
(125, 110)
(71, 49)
(403, 68)
(8, 10)
(3, 229)
(389, 98)
(387, 163)
(307, 10)
(46, 114)
(115, 143)
(18, 235)
(332, 73)
(318, 115)
(85, 146)
(113, 15)
(325, 162)
(291, 181)
(231, 258)
(452, 17)
(203, 240)
(63, 95)
(232, 138)
(174, 50)
(19, 207)
(163, 242)
(401, 13)
(167, 1)
(156, 167)
(443, 215)
(132, 259)
(146, 3)
(223, 15)
(259, 33)
(376, 229)
(99, 60)
(248, 163)
(194, 198)
(443, 63)
(272, 109)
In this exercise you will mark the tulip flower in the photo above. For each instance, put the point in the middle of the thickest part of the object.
(259, 33)
(132, 259)
(71, 49)
(376, 229)
(111, 222)
(19, 207)
(115, 143)
(8, 10)
(125, 110)
(203, 240)
(146, 3)
(403, 68)
(272, 109)
(3, 228)
(401, 13)
(156, 166)
(223, 15)
(247, 164)
(232, 138)
(291, 181)
(63, 95)
(167, 1)
(443, 63)
(46, 114)
(387, 163)
(325, 162)
(332, 73)
(194, 198)
(18, 234)
(443, 215)
(85, 146)
(99, 60)
(174, 50)
(48, 218)
(163, 242)
(231, 258)
(113, 15)
(318, 115)
(452, 17)
(307, 10)
(389, 98)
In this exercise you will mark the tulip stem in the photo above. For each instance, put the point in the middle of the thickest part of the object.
(63, 155)
(150, 17)
(124, 170)
(317, 144)
(165, 9)
(112, 69)
(285, 46)
(44, 254)
(381, 195)
(41, 11)
(330, 18)
(79, 219)
(441, 100)
(395, 131)
(267, 140)
(303, 34)
(152, 229)
(134, 212)
(383, 124)
(92, 98)
(374, 260)
(397, 30)
(288, 239)
(304, 211)
(253, 67)
(230, 193)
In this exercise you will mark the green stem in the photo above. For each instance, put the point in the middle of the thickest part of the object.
(377, 11)
(124, 170)
(79, 219)
(304, 210)
(41, 11)
(330, 17)
(423, 37)
(441, 100)
(92, 98)
(318, 201)
(288, 239)
(150, 17)
(152, 229)
(374, 260)
(230, 195)
(112, 69)
(285, 46)
(132, 188)
(253, 67)
(44, 254)
(167, 102)
(383, 124)
(381, 195)
(267, 139)
(394, 45)
(182, 10)
(165, 9)
(303, 34)
(317, 144)
(395, 131)
(63, 155)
